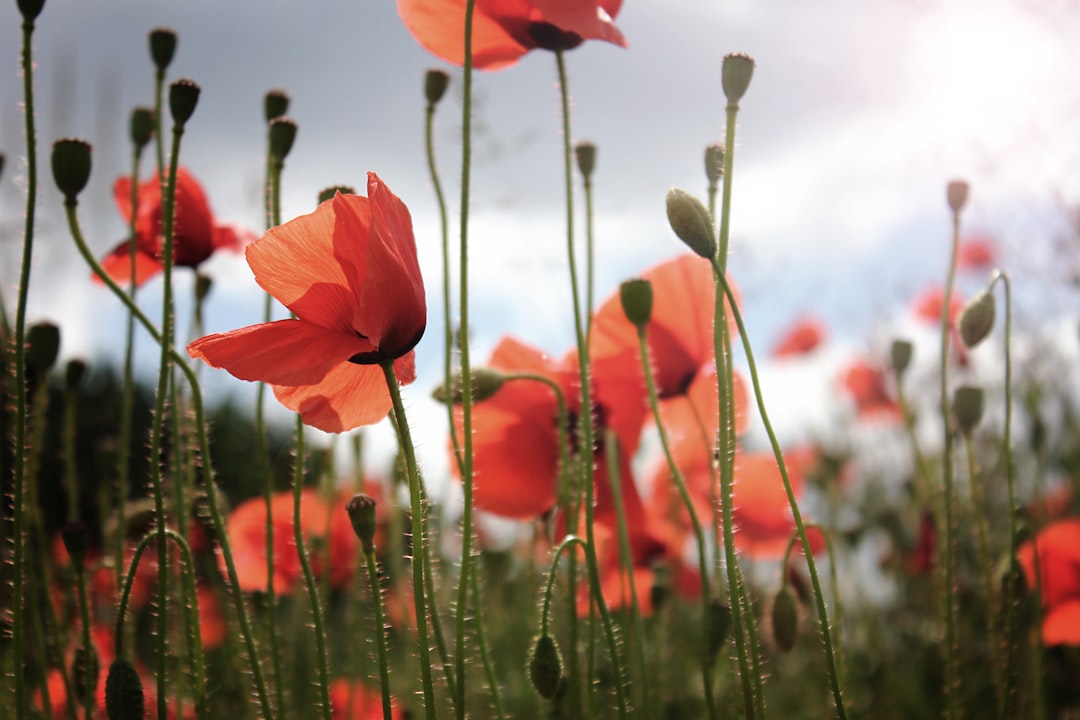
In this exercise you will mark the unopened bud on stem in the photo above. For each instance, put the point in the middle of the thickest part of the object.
(977, 318)
(435, 83)
(690, 220)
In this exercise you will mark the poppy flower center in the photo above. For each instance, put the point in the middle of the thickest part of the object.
(600, 424)
(550, 37)
(390, 352)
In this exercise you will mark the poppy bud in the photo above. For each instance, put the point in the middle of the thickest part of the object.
(967, 407)
(636, 297)
(585, 152)
(900, 355)
(435, 83)
(956, 192)
(162, 47)
(785, 620)
(330, 192)
(545, 666)
(736, 72)
(74, 536)
(141, 126)
(275, 104)
(485, 383)
(361, 509)
(691, 222)
(123, 692)
(43, 345)
(719, 627)
(30, 9)
(714, 162)
(282, 136)
(203, 283)
(977, 318)
(71, 166)
(73, 374)
(85, 668)
(183, 97)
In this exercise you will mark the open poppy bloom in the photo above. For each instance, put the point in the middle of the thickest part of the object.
(802, 337)
(1058, 547)
(196, 235)
(504, 30)
(349, 273)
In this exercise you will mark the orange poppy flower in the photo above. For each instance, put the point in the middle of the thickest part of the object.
(349, 273)
(504, 30)
(1058, 546)
(197, 236)
(802, 337)
(868, 387)
(246, 528)
(353, 700)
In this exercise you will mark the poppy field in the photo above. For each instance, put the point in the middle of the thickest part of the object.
(618, 530)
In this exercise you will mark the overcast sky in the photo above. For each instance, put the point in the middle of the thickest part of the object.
(858, 114)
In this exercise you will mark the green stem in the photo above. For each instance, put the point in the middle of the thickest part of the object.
(586, 425)
(485, 655)
(213, 502)
(467, 560)
(159, 122)
(418, 537)
(947, 552)
(590, 255)
(84, 618)
(380, 630)
(823, 616)
(309, 576)
(699, 531)
(20, 368)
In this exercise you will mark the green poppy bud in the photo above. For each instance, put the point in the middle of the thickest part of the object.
(124, 692)
(977, 318)
(785, 620)
(956, 192)
(141, 126)
(361, 509)
(714, 162)
(690, 220)
(42, 347)
(282, 136)
(183, 97)
(435, 83)
(162, 47)
(637, 299)
(71, 167)
(545, 666)
(736, 72)
(968, 408)
(585, 152)
(900, 355)
(275, 104)
(485, 383)
(330, 192)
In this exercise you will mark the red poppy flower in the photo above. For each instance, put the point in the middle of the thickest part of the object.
(1058, 546)
(353, 700)
(975, 253)
(504, 30)
(868, 387)
(196, 235)
(349, 273)
(516, 431)
(246, 528)
(801, 338)
(928, 306)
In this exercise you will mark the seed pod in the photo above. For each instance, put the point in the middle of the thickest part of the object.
(141, 126)
(736, 72)
(785, 620)
(275, 104)
(124, 693)
(71, 166)
(162, 47)
(967, 408)
(956, 193)
(545, 666)
(435, 83)
(585, 152)
(900, 355)
(330, 192)
(183, 97)
(282, 136)
(637, 300)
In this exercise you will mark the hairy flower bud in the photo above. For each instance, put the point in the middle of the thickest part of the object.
(977, 318)
(71, 166)
(545, 666)
(361, 509)
(736, 72)
(485, 383)
(435, 83)
(714, 162)
(124, 692)
(690, 220)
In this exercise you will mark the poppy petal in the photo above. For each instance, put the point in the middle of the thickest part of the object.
(586, 19)
(1061, 626)
(233, 237)
(499, 30)
(284, 352)
(117, 265)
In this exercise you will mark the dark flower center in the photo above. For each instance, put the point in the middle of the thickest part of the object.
(377, 356)
(549, 37)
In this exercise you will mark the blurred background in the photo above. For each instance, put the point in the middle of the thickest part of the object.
(858, 115)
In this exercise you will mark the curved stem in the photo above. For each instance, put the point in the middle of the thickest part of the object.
(823, 616)
(20, 366)
(418, 539)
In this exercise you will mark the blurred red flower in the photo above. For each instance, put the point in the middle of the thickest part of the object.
(349, 273)
(353, 700)
(1058, 548)
(197, 236)
(868, 387)
(928, 306)
(802, 337)
(975, 253)
(328, 536)
(504, 30)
